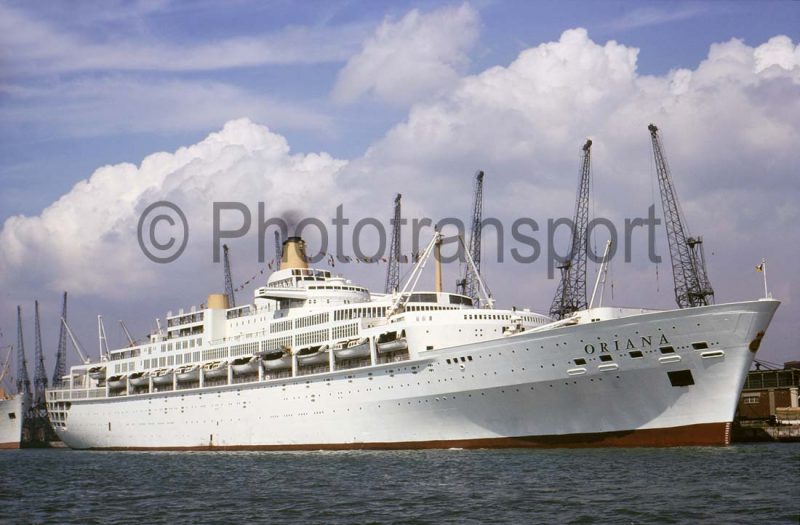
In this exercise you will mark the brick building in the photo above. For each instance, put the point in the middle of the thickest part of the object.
(765, 391)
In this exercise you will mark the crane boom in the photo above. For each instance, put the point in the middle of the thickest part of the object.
(571, 293)
(228, 280)
(393, 266)
(61, 354)
(39, 375)
(692, 287)
(23, 380)
(469, 285)
(131, 342)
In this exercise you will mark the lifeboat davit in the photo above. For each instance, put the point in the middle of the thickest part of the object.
(97, 372)
(390, 342)
(316, 355)
(246, 365)
(139, 378)
(116, 382)
(188, 373)
(354, 349)
(215, 370)
(162, 376)
(278, 360)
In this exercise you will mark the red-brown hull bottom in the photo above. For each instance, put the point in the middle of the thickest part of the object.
(9, 446)
(707, 434)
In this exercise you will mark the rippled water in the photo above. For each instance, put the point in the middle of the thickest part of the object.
(756, 483)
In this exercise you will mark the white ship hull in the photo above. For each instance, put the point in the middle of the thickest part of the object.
(520, 390)
(11, 417)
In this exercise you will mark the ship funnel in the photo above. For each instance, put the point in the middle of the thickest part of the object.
(294, 253)
(218, 301)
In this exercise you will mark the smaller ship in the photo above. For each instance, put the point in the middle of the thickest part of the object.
(12, 411)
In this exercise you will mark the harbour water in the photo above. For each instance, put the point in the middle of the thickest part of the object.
(753, 483)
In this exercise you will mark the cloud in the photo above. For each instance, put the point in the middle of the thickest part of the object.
(405, 60)
(650, 16)
(730, 127)
(33, 46)
(124, 104)
(86, 241)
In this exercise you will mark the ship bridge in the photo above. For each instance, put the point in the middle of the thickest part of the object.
(296, 285)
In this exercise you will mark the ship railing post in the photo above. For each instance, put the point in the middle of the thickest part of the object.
(174, 379)
(373, 354)
(230, 372)
(150, 384)
(294, 365)
(260, 370)
(331, 363)
(201, 376)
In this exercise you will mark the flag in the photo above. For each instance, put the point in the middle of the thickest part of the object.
(760, 267)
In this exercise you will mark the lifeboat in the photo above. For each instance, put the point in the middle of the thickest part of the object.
(353, 349)
(116, 382)
(188, 373)
(246, 365)
(278, 360)
(162, 376)
(139, 378)
(390, 342)
(97, 372)
(215, 370)
(316, 355)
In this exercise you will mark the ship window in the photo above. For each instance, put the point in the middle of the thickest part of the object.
(751, 400)
(681, 378)
(12, 415)
(667, 350)
(469, 358)
(580, 361)
(463, 359)
(606, 358)
(448, 361)
(636, 354)
(700, 346)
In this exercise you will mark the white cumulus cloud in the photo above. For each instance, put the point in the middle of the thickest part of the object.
(86, 241)
(405, 60)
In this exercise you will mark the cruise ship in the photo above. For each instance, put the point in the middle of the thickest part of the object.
(318, 362)
(12, 412)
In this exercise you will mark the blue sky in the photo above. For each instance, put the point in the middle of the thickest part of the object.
(89, 84)
(39, 163)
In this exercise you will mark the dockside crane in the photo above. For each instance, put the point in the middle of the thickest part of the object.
(23, 380)
(39, 375)
(226, 262)
(468, 284)
(393, 266)
(571, 293)
(692, 287)
(61, 353)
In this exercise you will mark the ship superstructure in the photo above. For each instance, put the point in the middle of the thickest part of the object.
(318, 362)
